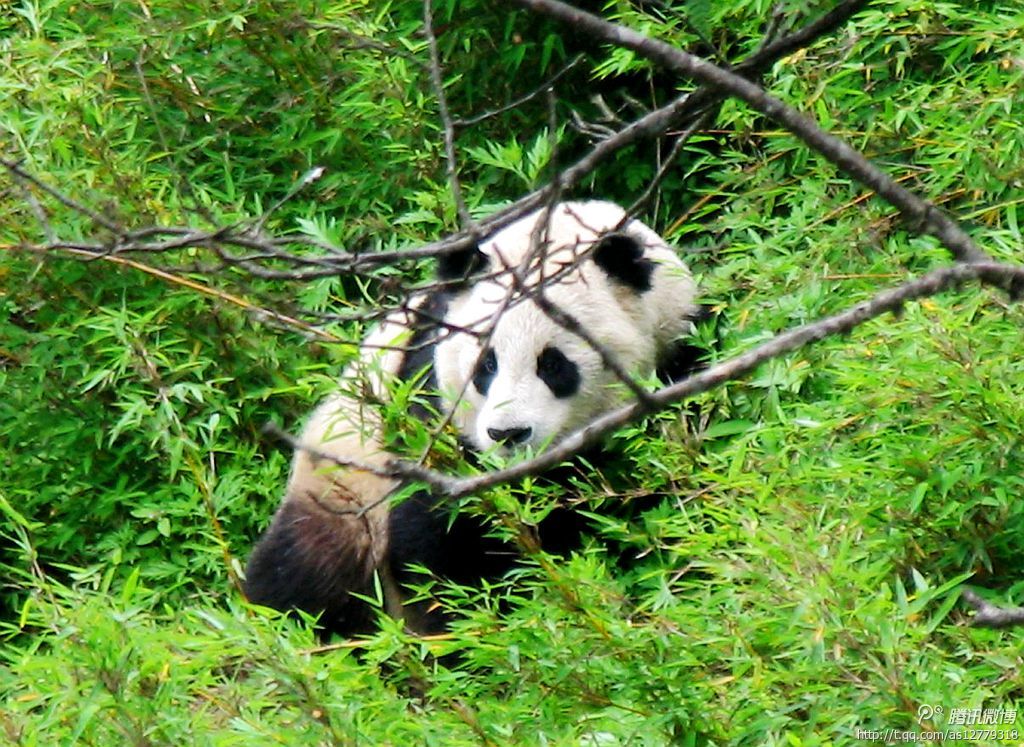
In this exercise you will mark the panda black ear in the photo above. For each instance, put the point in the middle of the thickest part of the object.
(459, 266)
(622, 257)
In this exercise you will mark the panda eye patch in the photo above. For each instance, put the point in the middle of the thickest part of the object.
(560, 374)
(486, 368)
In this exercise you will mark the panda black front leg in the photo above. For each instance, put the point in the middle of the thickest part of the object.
(423, 533)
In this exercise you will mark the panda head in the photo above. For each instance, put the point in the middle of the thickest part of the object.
(514, 375)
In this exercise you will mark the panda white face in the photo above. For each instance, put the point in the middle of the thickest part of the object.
(531, 382)
(512, 375)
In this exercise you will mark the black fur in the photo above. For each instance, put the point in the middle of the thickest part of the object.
(306, 559)
(419, 357)
(622, 257)
(426, 531)
(423, 532)
(684, 358)
(486, 370)
(299, 564)
(560, 374)
(455, 268)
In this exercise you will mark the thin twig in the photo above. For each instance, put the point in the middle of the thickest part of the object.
(437, 80)
(395, 469)
(308, 178)
(183, 183)
(572, 325)
(677, 149)
(355, 40)
(15, 168)
(259, 311)
(38, 209)
(542, 89)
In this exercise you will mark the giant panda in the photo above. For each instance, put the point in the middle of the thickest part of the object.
(509, 375)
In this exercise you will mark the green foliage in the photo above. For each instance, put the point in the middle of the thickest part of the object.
(796, 580)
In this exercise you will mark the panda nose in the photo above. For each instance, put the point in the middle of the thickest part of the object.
(510, 435)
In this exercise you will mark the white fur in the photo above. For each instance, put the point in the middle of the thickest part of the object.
(634, 327)
(346, 426)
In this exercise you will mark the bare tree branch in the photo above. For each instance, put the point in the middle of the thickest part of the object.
(1002, 275)
(920, 214)
(991, 616)
(263, 248)
(892, 300)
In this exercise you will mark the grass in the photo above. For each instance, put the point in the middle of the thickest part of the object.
(797, 584)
